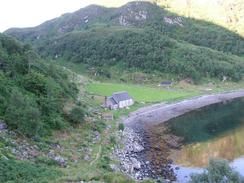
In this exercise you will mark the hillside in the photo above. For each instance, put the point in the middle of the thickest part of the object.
(44, 136)
(139, 35)
(227, 13)
(32, 94)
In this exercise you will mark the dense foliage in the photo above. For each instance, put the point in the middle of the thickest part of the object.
(77, 115)
(217, 171)
(31, 94)
(22, 172)
(146, 50)
(140, 15)
(139, 35)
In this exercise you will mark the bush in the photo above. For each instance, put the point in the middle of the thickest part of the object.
(22, 114)
(104, 163)
(22, 172)
(116, 178)
(46, 161)
(217, 171)
(99, 126)
(112, 140)
(32, 94)
(121, 126)
(77, 115)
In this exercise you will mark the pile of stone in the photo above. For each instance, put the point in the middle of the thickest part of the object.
(59, 159)
(131, 156)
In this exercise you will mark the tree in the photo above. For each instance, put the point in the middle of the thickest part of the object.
(218, 171)
(22, 114)
(77, 115)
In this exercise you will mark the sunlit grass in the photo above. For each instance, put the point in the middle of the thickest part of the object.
(138, 92)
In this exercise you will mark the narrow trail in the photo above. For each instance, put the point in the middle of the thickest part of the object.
(97, 155)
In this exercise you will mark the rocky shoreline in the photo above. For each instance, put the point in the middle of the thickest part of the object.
(160, 113)
(134, 157)
(144, 151)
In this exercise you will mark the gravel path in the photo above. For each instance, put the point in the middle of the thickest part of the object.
(159, 113)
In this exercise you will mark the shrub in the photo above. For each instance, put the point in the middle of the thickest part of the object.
(77, 115)
(121, 126)
(113, 140)
(22, 114)
(116, 178)
(217, 171)
(22, 172)
(46, 161)
(104, 163)
(99, 126)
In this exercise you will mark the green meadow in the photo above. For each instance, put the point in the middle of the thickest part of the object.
(138, 92)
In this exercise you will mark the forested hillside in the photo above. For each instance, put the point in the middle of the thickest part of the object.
(32, 93)
(139, 35)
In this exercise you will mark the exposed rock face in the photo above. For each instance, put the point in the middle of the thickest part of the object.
(133, 14)
(59, 159)
(133, 17)
(174, 21)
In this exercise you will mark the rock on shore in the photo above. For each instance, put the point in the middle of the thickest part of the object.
(133, 157)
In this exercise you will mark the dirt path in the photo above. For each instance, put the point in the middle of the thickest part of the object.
(159, 113)
(97, 155)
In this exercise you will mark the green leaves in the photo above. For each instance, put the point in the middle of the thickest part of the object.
(22, 172)
(217, 171)
(32, 94)
(22, 114)
(77, 115)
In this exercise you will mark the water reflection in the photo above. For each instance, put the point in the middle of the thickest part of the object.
(228, 146)
(213, 132)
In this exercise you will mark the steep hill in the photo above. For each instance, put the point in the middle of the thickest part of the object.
(140, 35)
(227, 13)
(32, 94)
(137, 14)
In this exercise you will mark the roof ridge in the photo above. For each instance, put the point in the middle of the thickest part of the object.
(120, 92)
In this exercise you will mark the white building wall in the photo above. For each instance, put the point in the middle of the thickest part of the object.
(125, 103)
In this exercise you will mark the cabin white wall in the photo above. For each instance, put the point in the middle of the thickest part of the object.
(125, 103)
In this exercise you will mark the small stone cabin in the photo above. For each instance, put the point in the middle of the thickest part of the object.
(118, 100)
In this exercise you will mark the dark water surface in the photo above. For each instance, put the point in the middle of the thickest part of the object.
(216, 131)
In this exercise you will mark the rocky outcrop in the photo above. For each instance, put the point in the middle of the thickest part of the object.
(57, 158)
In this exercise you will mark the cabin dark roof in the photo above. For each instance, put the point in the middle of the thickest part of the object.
(112, 100)
(121, 96)
(166, 83)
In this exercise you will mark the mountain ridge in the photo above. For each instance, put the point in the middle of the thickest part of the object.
(97, 23)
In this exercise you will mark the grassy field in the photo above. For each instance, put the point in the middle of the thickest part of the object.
(139, 93)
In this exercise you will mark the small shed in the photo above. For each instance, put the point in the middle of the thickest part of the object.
(107, 116)
(166, 84)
